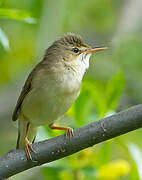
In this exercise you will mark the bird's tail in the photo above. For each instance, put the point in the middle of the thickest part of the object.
(22, 129)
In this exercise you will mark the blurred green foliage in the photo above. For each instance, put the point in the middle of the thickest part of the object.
(14, 14)
(27, 28)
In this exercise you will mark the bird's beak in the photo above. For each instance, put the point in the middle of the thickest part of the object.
(96, 49)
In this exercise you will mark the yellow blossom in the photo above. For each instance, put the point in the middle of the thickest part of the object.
(114, 170)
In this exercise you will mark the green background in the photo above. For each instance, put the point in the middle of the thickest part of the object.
(112, 83)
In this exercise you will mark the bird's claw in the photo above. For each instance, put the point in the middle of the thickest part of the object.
(69, 132)
(29, 148)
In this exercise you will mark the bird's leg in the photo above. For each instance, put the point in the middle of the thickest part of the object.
(69, 131)
(28, 145)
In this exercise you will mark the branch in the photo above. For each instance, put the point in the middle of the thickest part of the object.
(56, 148)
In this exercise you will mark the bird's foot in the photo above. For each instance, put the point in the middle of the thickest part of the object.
(69, 132)
(28, 148)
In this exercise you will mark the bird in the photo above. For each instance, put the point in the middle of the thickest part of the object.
(51, 88)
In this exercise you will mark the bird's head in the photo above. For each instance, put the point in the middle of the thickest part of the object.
(72, 51)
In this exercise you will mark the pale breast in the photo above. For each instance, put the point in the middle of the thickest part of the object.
(50, 101)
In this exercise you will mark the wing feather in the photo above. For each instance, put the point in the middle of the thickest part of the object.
(26, 89)
(28, 86)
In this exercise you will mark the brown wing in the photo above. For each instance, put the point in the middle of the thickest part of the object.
(27, 87)
(25, 91)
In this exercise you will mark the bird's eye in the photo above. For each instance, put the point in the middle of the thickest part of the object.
(75, 50)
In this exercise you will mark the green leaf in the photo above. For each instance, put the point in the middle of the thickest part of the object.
(113, 91)
(97, 95)
(137, 157)
(83, 107)
(4, 40)
(51, 172)
(104, 154)
(20, 15)
(90, 172)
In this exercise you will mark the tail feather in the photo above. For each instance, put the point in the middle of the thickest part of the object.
(18, 139)
(22, 127)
